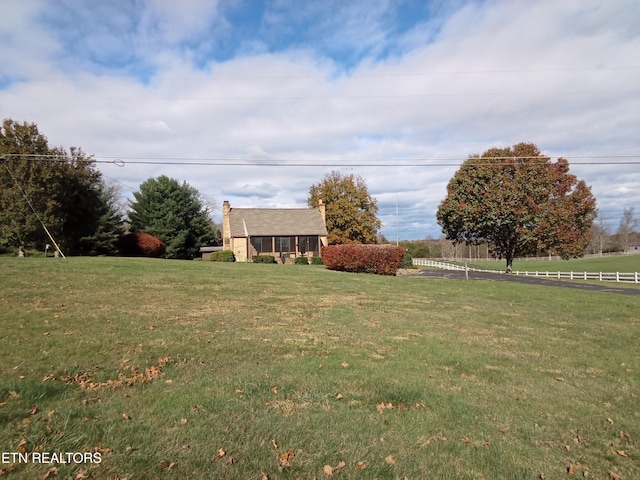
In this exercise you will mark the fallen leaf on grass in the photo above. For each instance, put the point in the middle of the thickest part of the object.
(183, 421)
(614, 476)
(33, 410)
(328, 470)
(390, 460)
(221, 453)
(81, 475)
(102, 451)
(339, 397)
(274, 443)
(610, 421)
(384, 406)
(6, 471)
(571, 470)
(361, 466)
(166, 466)
(622, 453)
(344, 364)
(22, 446)
(52, 472)
(126, 416)
(284, 459)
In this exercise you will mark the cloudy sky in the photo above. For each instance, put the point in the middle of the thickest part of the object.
(253, 101)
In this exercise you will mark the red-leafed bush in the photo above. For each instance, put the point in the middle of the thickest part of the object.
(378, 259)
(141, 245)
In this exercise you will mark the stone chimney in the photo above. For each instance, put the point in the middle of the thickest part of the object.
(322, 210)
(226, 226)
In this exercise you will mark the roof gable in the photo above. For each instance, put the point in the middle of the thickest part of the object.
(254, 222)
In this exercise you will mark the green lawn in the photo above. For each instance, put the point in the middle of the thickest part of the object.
(198, 370)
(618, 263)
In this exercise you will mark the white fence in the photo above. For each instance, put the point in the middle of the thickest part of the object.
(633, 277)
(620, 277)
(427, 262)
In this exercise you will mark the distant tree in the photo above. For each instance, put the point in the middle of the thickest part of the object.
(600, 236)
(50, 185)
(520, 202)
(350, 210)
(627, 225)
(110, 225)
(174, 213)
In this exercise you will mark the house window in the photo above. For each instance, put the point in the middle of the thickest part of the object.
(261, 244)
(309, 244)
(285, 244)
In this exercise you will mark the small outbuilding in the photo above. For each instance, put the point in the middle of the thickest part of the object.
(207, 251)
(285, 233)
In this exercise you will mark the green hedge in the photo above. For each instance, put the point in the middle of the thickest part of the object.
(301, 261)
(222, 256)
(317, 261)
(264, 259)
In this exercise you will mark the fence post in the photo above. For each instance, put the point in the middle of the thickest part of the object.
(618, 277)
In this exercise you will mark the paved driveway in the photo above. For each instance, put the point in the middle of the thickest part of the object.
(503, 277)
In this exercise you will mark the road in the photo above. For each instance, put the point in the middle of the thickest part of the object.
(503, 277)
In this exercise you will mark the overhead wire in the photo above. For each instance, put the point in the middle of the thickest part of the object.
(121, 161)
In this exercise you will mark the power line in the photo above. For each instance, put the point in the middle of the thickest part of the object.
(121, 161)
(213, 76)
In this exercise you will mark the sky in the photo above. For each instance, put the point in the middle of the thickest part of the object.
(254, 101)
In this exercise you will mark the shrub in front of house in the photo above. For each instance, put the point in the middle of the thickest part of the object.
(407, 261)
(222, 256)
(378, 259)
(317, 261)
(301, 261)
(140, 245)
(264, 259)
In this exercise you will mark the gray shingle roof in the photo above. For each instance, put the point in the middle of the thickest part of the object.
(275, 222)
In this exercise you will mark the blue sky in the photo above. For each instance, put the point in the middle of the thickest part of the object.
(398, 92)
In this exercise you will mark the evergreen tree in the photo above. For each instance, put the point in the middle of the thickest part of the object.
(174, 213)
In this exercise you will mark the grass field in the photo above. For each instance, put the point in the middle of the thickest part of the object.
(174, 370)
(618, 263)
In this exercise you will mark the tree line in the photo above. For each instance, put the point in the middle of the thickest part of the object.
(507, 202)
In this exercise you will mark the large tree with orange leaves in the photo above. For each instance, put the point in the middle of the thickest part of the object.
(350, 210)
(520, 202)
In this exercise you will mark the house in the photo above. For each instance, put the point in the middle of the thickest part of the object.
(282, 232)
(633, 247)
